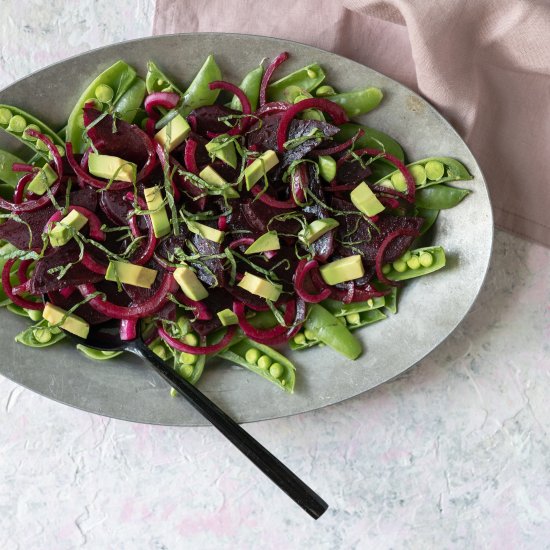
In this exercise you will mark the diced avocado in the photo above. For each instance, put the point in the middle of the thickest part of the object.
(265, 162)
(268, 241)
(72, 323)
(210, 233)
(209, 175)
(345, 269)
(190, 284)
(130, 274)
(61, 234)
(226, 153)
(174, 133)
(327, 167)
(260, 287)
(227, 317)
(316, 229)
(159, 217)
(365, 200)
(44, 179)
(109, 167)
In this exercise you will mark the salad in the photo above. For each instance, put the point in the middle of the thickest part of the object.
(217, 221)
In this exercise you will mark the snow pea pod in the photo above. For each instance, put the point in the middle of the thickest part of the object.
(391, 300)
(118, 78)
(420, 261)
(307, 78)
(339, 309)
(14, 121)
(440, 197)
(130, 101)
(157, 81)
(199, 94)
(430, 216)
(329, 330)
(262, 360)
(372, 138)
(427, 172)
(96, 354)
(40, 336)
(358, 102)
(250, 85)
(7, 175)
(360, 319)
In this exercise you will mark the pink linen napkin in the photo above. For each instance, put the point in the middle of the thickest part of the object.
(485, 64)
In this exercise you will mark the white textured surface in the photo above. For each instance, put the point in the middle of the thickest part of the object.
(453, 454)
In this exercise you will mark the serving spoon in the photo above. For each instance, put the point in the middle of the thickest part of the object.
(106, 337)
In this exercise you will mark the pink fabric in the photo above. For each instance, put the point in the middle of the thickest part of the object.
(485, 64)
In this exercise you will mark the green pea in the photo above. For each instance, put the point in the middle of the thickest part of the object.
(30, 127)
(186, 370)
(400, 266)
(187, 358)
(42, 335)
(252, 356)
(398, 180)
(407, 256)
(299, 339)
(353, 318)
(190, 339)
(434, 170)
(183, 325)
(173, 392)
(292, 92)
(426, 259)
(17, 124)
(310, 335)
(264, 362)
(418, 173)
(324, 91)
(413, 262)
(386, 269)
(41, 146)
(104, 93)
(312, 74)
(276, 370)
(158, 349)
(5, 116)
(370, 302)
(160, 82)
(303, 95)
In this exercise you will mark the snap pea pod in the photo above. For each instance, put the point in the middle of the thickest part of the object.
(329, 330)
(358, 102)
(307, 79)
(391, 301)
(440, 197)
(157, 81)
(118, 77)
(416, 263)
(430, 216)
(14, 121)
(250, 85)
(427, 172)
(262, 360)
(7, 175)
(130, 101)
(372, 138)
(362, 318)
(96, 354)
(339, 309)
(192, 372)
(40, 336)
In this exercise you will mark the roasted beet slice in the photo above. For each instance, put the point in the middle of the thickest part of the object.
(206, 119)
(137, 294)
(258, 215)
(42, 281)
(218, 299)
(87, 312)
(209, 270)
(352, 173)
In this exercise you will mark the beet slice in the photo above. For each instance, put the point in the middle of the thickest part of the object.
(206, 119)
(210, 270)
(257, 216)
(218, 299)
(87, 312)
(352, 173)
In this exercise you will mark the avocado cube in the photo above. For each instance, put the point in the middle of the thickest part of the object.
(257, 170)
(159, 217)
(72, 323)
(268, 241)
(316, 229)
(226, 153)
(227, 317)
(43, 180)
(365, 200)
(130, 274)
(205, 231)
(190, 284)
(340, 271)
(173, 134)
(260, 287)
(111, 168)
(209, 175)
(61, 233)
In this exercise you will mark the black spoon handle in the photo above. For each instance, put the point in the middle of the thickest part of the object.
(271, 466)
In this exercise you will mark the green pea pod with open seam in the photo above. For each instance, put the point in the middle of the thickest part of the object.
(198, 369)
(27, 337)
(329, 330)
(236, 354)
(367, 318)
(307, 79)
(7, 175)
(96, 354)
(372, 138)
(391, 300)
(30, 119)
(157, 81)
(339, 309)
(440, 197)
(294, 346)
(250, 85)
(430, 216)
(453, 170)
(120, 77)
(358, 102)
(439, 262)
